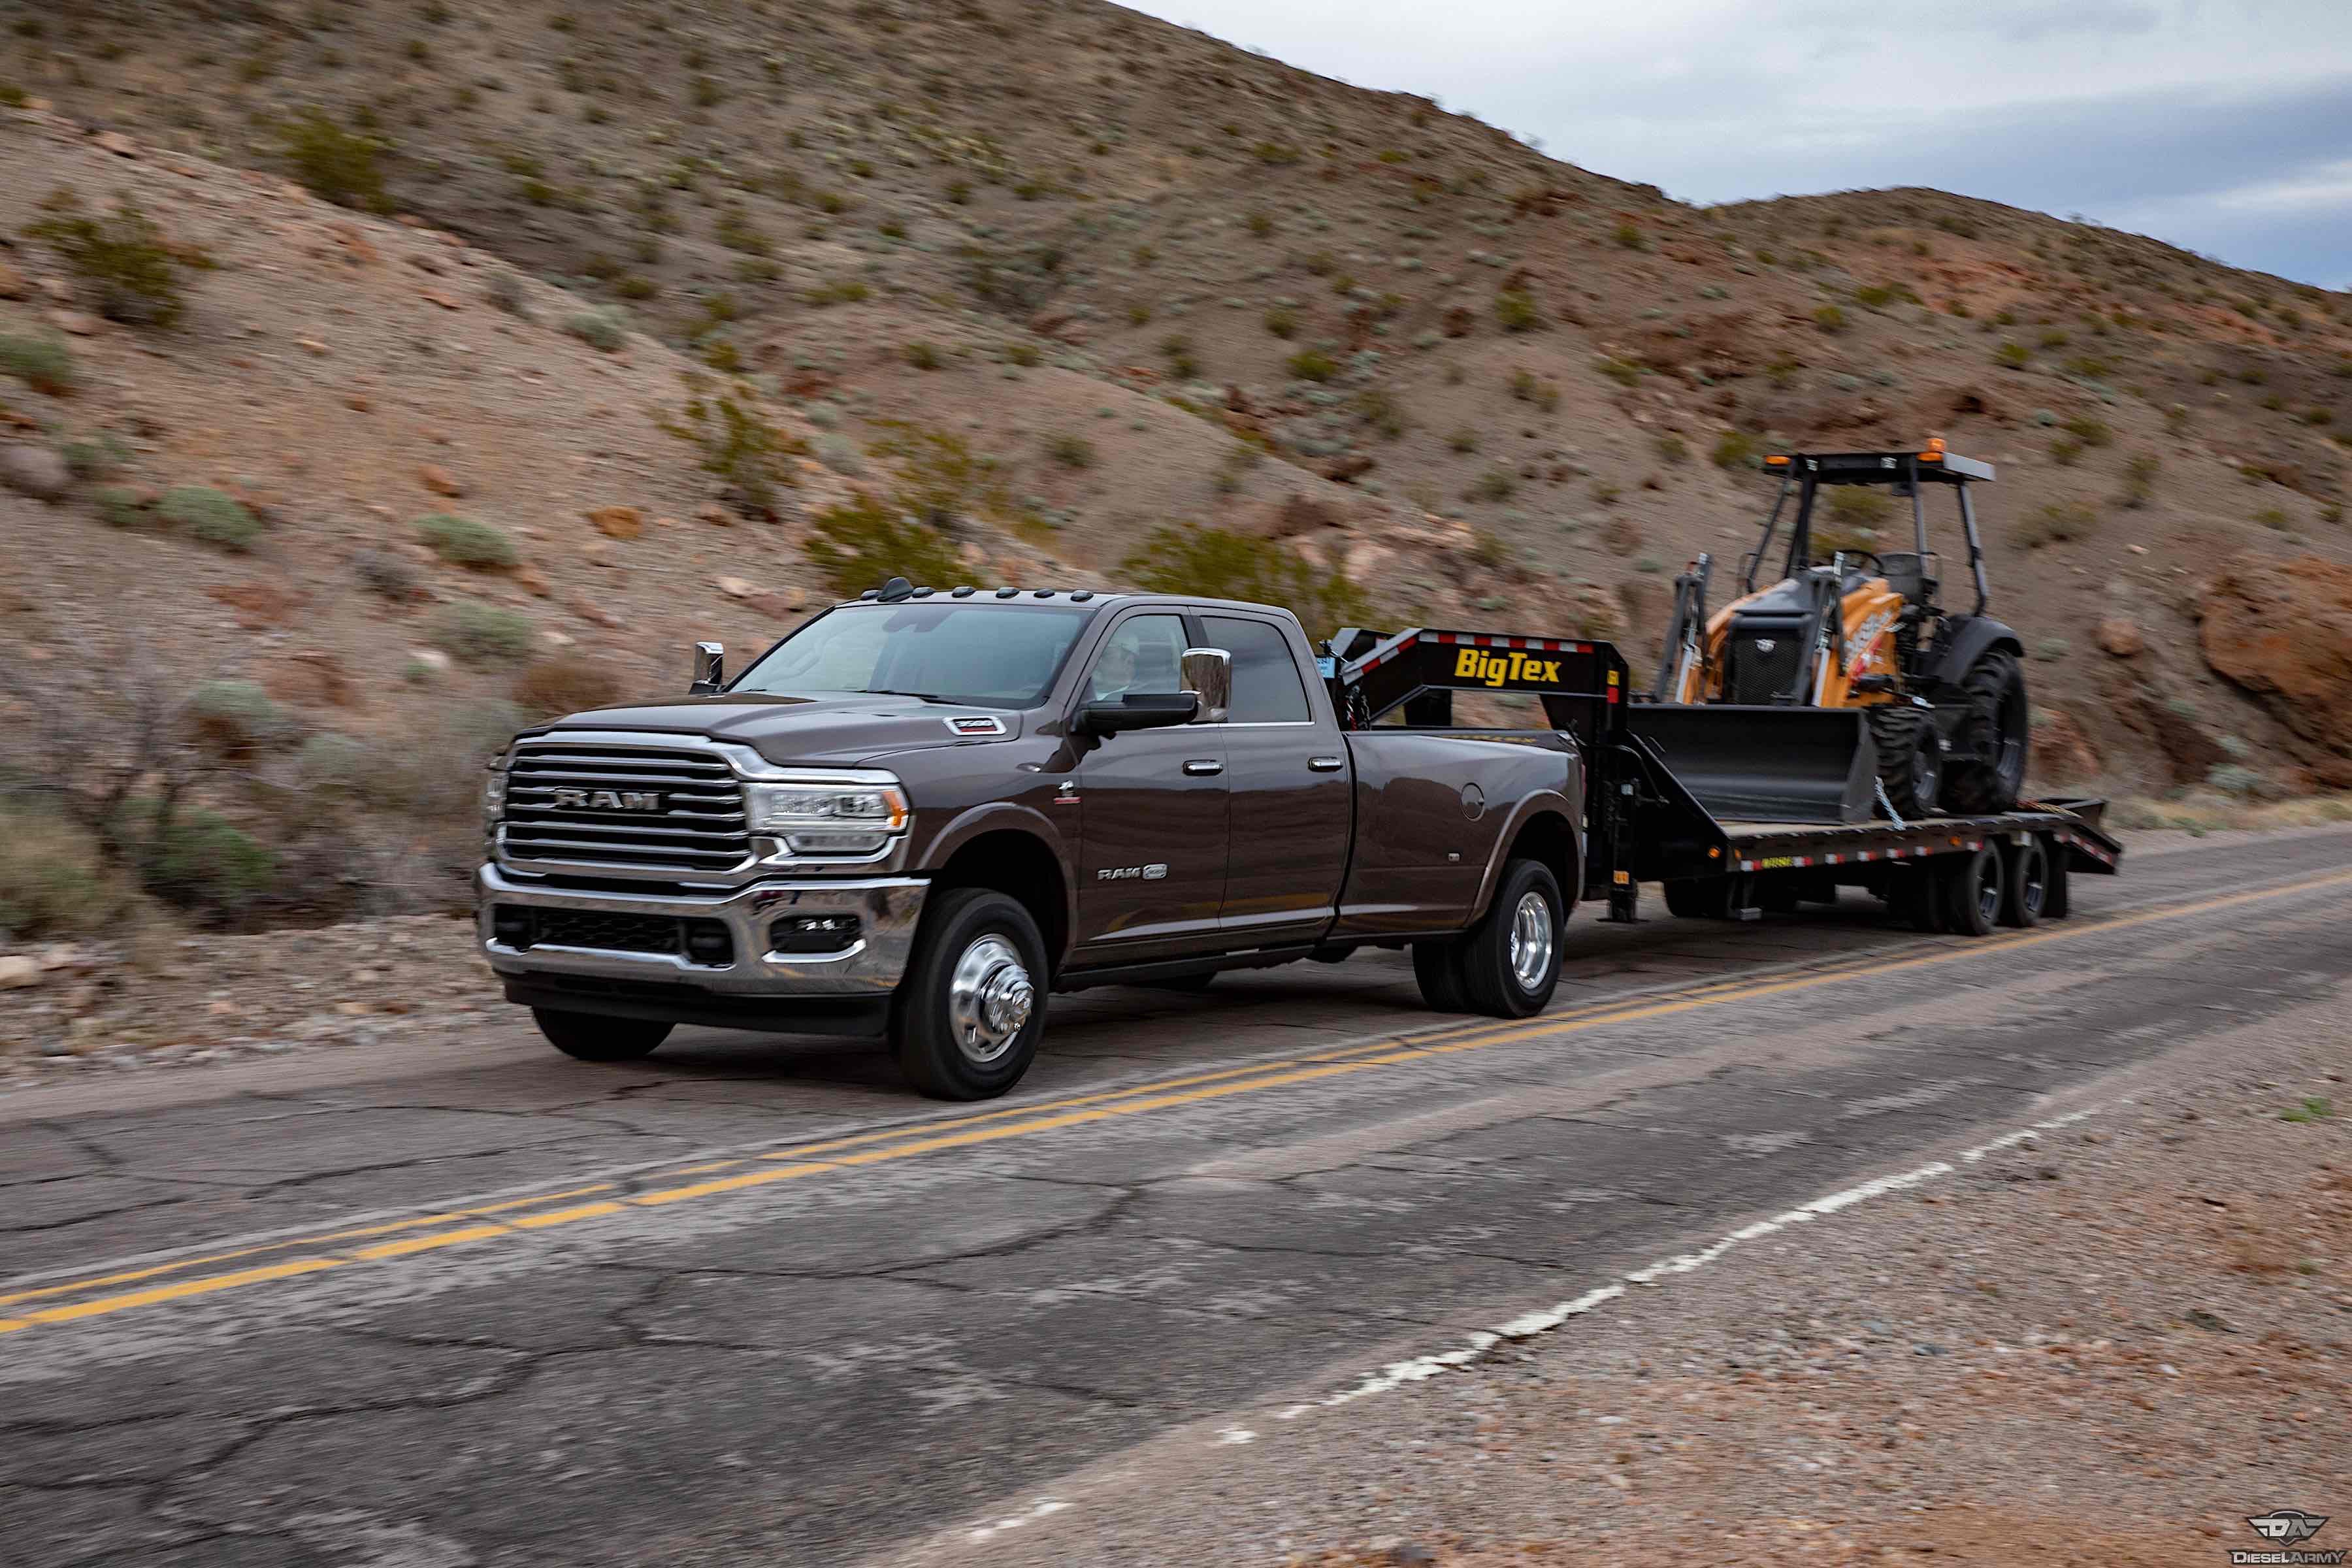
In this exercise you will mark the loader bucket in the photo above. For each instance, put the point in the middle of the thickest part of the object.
(1767, 764)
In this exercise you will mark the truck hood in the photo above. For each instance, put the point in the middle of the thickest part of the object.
(828, 731)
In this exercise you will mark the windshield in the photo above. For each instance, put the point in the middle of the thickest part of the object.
(1003, 656)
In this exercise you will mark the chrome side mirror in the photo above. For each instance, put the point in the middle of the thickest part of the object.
(710, 668)
(1209, 674)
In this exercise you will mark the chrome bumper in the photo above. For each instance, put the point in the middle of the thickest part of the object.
(886, 909)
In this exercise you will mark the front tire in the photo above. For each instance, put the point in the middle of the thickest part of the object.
(585, 1036)
(1510, 960)
(1910, 757)
(967, 1015)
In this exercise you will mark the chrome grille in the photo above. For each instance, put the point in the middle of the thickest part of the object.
(586, 805)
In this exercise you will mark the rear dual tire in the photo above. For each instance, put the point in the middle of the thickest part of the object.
(1507, 965)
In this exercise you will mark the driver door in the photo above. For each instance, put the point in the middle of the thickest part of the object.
(1153, 824)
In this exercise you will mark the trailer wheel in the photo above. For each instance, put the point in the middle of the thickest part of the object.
(966, 1019)
(1975, 892)
(585, 1036)
(1510, 960)
(2028, 892)
(2057, 900)
(1698, 897)
(1778, 893)
(1437, 966)
(1915, 896)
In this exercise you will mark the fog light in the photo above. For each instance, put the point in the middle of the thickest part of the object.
(511, 925)
(813, 934)
(710, 942)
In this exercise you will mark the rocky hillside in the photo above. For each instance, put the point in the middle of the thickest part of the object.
(516, 346)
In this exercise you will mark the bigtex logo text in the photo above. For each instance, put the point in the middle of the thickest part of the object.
(1499, 669)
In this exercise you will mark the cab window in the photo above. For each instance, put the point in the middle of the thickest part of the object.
(1145, 655)
(1267, 688)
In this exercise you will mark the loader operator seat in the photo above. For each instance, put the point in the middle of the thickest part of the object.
(1906, 573)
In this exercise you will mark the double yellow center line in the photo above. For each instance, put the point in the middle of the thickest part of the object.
(406, 1238)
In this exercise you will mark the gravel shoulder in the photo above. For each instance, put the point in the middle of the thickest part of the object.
(2119, 1339)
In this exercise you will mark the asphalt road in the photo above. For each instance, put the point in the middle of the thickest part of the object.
(747, 1301)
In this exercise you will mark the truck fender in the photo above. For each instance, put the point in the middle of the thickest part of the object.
(1542, 803)
(1000, 816)
(1972, 637)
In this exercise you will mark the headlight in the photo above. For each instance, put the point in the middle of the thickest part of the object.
(821, 817)
(494, 790)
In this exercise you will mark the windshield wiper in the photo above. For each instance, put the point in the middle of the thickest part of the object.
(920, 696)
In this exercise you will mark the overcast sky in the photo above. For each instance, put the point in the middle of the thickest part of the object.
(2224, 126)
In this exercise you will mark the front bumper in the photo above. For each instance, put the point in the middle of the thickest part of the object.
(886, 909)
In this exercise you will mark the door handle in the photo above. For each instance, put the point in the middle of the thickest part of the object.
(1326, 765)
(1203, 767)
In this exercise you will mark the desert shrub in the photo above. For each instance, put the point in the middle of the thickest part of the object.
(1183, 363)
(925, 356)
(332, 762)
(2089, 431)
(129, 271)
(45, 364)
(2139, 478)
(748, 455)
(209, 517)
(94, 458)
(1213, 563)
(2015, 356)
(54, 880)
(605, 330)
(341, 167)
(848, 291)
(237, 718)
(464, 542)
(1282, 321)
(864, 543)
(1830, 319)
(1628, 237)
(472, 632)
(2055, 524)
(1071, 451)
(1672, 448)
(199, 861)
(1733, 449)
(1516, 312)
(505, 291)
(1313, 365)
(2274, 517)
(1022, 353)
(1528, 387)
(2065, 451)
(1381, 411)
(385, 575)
(1624, 373)
(119, 506)
(1494, 485)
(1464, 441)
(1856, 507)
(552, 687)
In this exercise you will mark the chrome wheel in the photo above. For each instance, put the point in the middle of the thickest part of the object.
(990, 998)
(1531, 941)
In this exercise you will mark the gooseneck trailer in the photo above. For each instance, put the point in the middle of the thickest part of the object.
(1774, 832)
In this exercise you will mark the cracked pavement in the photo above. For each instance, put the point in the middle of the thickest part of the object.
(828, 1368)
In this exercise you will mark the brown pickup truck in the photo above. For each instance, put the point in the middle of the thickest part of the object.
(923, 811)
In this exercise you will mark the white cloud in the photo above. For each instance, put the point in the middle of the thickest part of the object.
(2072, 105)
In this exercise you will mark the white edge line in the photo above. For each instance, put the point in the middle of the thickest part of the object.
(1528, 1325)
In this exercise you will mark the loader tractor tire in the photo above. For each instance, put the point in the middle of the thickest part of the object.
(1994, 729)
(1910, 757)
